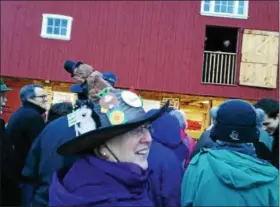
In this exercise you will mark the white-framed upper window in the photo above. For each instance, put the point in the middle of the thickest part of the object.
(56, 26)
(225, 8)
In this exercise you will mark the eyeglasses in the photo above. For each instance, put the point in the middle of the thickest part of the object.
(42, 96)
(141, 130)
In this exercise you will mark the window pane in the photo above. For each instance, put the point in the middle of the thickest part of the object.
(230, 3)
(241, 3)
(206, 7)
(64, 23)
(224, 9)
(224, 2)
(50, 21)
(57, 22)
(230, 9)
(217, 2)
(240, 10)
(56, 30)
(63, 31)
(49, 30)
(217, 8)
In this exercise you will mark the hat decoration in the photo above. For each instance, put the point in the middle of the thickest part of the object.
(118, 111)
(114, 104)
(132, 99)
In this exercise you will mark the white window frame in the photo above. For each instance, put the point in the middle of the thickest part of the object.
(220, 14)
(44, 33)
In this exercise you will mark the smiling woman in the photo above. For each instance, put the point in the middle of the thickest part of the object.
(114, 168)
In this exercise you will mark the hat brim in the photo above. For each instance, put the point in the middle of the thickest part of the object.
(91, 139)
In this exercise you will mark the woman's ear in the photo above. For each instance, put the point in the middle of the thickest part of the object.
(102, 151)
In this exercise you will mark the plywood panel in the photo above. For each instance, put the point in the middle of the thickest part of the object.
(258, 74)
(259, 60)
(260, 48)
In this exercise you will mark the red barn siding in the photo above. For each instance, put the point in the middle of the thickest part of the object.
(152, 45)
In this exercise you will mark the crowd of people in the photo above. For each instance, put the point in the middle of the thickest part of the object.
(105, 150)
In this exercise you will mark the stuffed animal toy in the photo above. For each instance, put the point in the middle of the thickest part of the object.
(91, 79)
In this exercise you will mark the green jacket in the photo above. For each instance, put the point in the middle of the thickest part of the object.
(228, 178)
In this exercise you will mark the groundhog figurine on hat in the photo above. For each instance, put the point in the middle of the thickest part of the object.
(84, 73)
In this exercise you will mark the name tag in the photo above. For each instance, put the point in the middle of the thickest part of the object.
(72, 120)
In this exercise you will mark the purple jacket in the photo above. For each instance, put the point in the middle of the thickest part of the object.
(95, 182)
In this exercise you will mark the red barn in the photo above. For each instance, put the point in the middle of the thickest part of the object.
(195, 52)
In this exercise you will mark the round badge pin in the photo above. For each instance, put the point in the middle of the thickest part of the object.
(117, 117)
(131, 99)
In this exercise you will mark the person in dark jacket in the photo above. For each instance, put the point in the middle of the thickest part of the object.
(271, 125)
(26, 123)
(24, 126)
(185, 138)
(166, 158)
(114, 168)
(27, 188)
(43, 160)
(7, 185)
(167, 131)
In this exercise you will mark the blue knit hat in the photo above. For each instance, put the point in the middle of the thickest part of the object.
(236, 122)
(110, 77)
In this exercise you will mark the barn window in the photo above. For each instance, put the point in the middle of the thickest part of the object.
(56, 27)
(225, 8)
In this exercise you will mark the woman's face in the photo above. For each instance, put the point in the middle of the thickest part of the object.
(133, 147)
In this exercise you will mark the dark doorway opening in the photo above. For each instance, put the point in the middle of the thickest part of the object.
(223, 39)
(220, 55)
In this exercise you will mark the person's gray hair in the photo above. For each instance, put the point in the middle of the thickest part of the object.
(213, 112)
(180, 117)
(28, 92)
(260, 117)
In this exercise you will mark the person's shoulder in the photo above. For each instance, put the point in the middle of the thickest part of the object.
(159, 149)
(201, 158)
(30, 114)
(65, 131)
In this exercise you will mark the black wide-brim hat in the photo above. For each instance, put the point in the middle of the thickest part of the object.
(132, 116)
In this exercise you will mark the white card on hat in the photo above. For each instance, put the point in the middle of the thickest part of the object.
(72, 119)
(131, 99)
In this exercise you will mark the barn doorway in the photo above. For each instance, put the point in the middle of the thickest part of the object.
(220, 54)
(223, 39)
